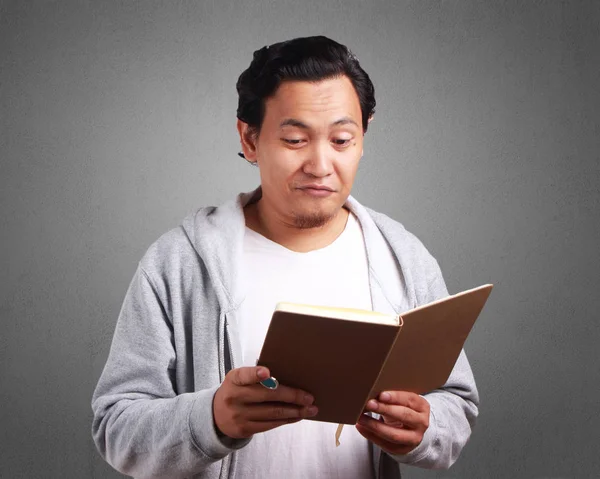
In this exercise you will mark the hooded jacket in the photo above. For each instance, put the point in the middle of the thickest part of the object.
(176, 337)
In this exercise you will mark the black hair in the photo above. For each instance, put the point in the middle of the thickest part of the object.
(308, 59)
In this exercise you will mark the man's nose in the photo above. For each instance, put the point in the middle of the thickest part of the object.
(320, 161)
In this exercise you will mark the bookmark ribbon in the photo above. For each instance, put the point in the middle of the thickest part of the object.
(338, 433)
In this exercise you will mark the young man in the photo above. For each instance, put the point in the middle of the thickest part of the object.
(180, 396)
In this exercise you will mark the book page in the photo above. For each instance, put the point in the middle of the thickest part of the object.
(347, 314)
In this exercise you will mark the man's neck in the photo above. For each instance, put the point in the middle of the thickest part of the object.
(301, 240)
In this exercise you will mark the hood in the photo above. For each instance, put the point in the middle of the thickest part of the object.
(217, 234)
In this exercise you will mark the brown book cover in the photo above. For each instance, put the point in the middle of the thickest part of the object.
(345, 357)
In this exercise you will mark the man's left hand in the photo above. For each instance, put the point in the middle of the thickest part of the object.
(404, 420)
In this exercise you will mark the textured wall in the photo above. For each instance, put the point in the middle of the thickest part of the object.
(117, 119)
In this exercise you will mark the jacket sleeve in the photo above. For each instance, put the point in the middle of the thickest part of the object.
(453, 408)
(141, 426)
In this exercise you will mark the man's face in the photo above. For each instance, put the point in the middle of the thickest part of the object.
(308, 150)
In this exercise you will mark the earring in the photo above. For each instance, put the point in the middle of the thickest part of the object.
(253, 163)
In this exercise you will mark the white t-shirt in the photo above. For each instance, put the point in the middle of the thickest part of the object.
(336, 275)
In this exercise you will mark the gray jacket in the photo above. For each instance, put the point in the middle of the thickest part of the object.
(176, 338)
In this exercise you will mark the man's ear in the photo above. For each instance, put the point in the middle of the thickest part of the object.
(362, 153)
(247, 140)
(369, 120)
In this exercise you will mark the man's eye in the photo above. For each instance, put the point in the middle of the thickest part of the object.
(292, 141)
(341, 142)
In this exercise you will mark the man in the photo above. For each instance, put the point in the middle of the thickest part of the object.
(180, 395)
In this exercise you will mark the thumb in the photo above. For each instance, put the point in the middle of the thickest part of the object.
(247, 376)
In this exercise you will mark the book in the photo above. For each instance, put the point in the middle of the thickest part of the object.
(344, 357)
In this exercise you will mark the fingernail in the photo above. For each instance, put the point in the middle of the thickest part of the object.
(308, 399)
(312, 410)
(262, 373)
(372, 404)
(385, 396)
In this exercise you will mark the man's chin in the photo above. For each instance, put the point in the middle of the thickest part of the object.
(317, 218)
(316, 213)
(308, 221)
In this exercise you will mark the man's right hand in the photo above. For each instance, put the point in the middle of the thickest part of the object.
(242, 406)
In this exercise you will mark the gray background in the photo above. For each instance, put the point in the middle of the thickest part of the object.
(118, 118)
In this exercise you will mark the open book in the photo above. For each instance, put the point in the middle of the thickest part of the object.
(344, 357)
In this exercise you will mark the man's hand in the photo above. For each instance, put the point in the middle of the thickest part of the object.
(404, 420)
(242, 407)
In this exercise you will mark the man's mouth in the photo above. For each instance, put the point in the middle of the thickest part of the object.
(316, 190)
(318, 187)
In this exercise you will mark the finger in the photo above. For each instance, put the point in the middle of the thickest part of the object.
(391, 434)
(405, 415)
(281, 394)
(279, 411)
(248, 376)
(385, 445)
(289, 395)
(406, 399)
